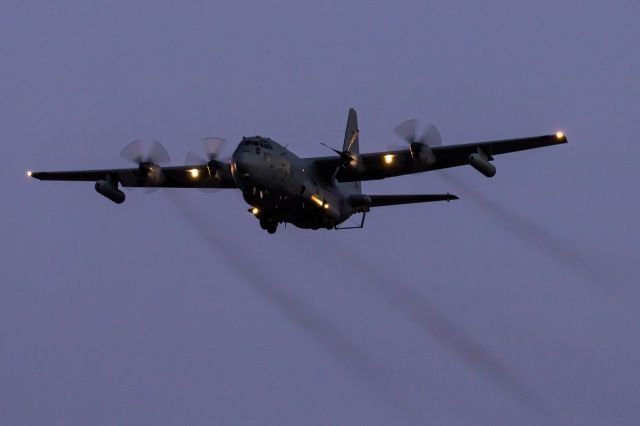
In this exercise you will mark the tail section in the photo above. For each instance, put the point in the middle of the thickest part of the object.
(351, 139)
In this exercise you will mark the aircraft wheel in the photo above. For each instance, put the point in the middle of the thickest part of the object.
(273, 226)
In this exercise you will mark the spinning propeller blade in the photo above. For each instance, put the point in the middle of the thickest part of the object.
(148, 156)
(209, 151)
(137, 153)
(408, 131)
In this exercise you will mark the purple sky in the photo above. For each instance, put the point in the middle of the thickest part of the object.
(517, 304)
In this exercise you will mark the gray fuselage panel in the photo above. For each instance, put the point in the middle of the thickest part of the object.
(287, 188)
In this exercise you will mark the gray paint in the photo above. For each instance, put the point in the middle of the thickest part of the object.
(121, 314)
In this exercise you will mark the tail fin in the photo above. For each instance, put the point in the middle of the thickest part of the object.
(351, 142)
(351, 133)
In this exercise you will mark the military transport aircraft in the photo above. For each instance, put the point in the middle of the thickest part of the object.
(311, 193)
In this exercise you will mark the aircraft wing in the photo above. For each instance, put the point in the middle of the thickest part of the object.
(196, 176)
(380, 165)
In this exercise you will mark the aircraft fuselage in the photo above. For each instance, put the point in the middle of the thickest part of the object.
(281, 187)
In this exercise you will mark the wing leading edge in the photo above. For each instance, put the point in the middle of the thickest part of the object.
(381, 165)
(197, 176)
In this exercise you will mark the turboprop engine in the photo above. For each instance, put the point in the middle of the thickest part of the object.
(422, 154)
(151, 173)
(348, 160)
(148, 159)
(351, 161)
(419, 144)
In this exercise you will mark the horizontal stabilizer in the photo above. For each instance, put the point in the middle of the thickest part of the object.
(392, 200)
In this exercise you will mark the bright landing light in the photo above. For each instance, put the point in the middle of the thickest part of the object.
(559, 135)
(29, 173)
(194, 173)
(388, 159)
(255, 211)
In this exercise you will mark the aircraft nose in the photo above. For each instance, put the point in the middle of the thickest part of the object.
(243, 162)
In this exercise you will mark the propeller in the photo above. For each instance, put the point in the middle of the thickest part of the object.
(345, 156)
(148, 159)
(207, 155)
(348, 159)
(408, 131)
(136, 153)
(210, 147)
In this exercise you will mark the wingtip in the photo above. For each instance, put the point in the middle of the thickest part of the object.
(34, 175)
(561, 136)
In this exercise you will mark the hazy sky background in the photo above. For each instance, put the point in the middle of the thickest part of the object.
(517, 304)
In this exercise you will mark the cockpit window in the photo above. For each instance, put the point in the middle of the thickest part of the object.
(258, 143)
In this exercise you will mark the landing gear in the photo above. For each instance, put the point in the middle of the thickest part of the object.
(269, 224)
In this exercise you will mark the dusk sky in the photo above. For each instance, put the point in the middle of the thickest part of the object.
(517, 304)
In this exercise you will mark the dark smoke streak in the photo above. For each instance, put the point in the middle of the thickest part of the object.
(415, 307)
(412, 304)
(324, 333)
(533, 234)
(456, 340)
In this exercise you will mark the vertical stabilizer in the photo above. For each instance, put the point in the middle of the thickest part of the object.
(351, 136)
(352, 143)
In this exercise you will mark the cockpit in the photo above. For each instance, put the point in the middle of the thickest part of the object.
(258, 142)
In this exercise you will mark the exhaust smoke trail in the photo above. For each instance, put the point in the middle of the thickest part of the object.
(427, 317)
(296, 310)
(400, 297)
(424, 314)
(533, 234)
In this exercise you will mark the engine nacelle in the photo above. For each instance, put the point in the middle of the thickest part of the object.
(105, 188)
(351, 161)
(481, 164)
(151, 173)
(422, 154)
(214, 170)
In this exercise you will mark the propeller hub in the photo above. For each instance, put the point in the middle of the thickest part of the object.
(415, 148)
(207, 156)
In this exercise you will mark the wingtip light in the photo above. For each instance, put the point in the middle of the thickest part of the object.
(560, 135)
(29, 173)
